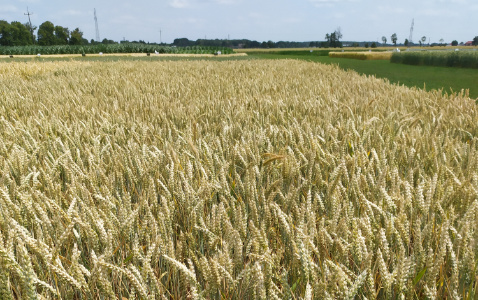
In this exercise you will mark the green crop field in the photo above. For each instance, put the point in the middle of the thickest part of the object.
(459, 59)
(429, 77)
(233, 179)
(108, 48)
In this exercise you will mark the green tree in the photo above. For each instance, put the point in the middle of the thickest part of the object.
(14, 34)
(374, 45)
(454, 43)
(475, 41)
(183, 42)
(394, 39)
(61, 34)
(31, 29)
(333, 39)
(406, 43)
(384, 40)
(21, 35)
(5, 33)
(423, 40)
(106, 41)
(46, 34)
(76, 37)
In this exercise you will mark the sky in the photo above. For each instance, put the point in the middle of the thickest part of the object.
(261, 20)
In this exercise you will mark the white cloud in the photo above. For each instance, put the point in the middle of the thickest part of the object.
(439, 13)
(124, 19)
(179, 3)
(72, 12)
(391, 10)
(329, 3)
(191, 3)
(292, 20)
(8, 8)
(225, 1)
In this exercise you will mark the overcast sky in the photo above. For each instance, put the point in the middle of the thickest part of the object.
(261, 20)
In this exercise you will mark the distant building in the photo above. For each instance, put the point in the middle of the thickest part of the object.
(469, 43)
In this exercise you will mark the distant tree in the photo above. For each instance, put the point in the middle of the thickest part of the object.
(366, 45)
(338, 33)
(406, 43)
(106, 41)
(441, 42)
(384, 40)
(62, 35)
(46, 34)
(31, 29)
(475, 41)
(183, 42)
(424, 39)
(76, 37)
(374, 45)
(454, 43)
(271, 44)
(6, 38)
(394, 39)
(333, 39)
(14, 34)
(254, 44)
(21, 34)
(355, 44)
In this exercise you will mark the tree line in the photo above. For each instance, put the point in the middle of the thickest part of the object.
(18, 34)
(48, 34)
(331, 40)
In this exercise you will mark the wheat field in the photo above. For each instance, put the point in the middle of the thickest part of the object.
(362, 55)
(233, 180)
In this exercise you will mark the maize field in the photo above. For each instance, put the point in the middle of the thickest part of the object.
(110, 48)
(276, 179)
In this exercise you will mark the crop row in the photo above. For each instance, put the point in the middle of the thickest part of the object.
(110, 48)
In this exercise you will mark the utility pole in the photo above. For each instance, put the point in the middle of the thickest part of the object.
(411, 33)
(30, 22)
(96, 27)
